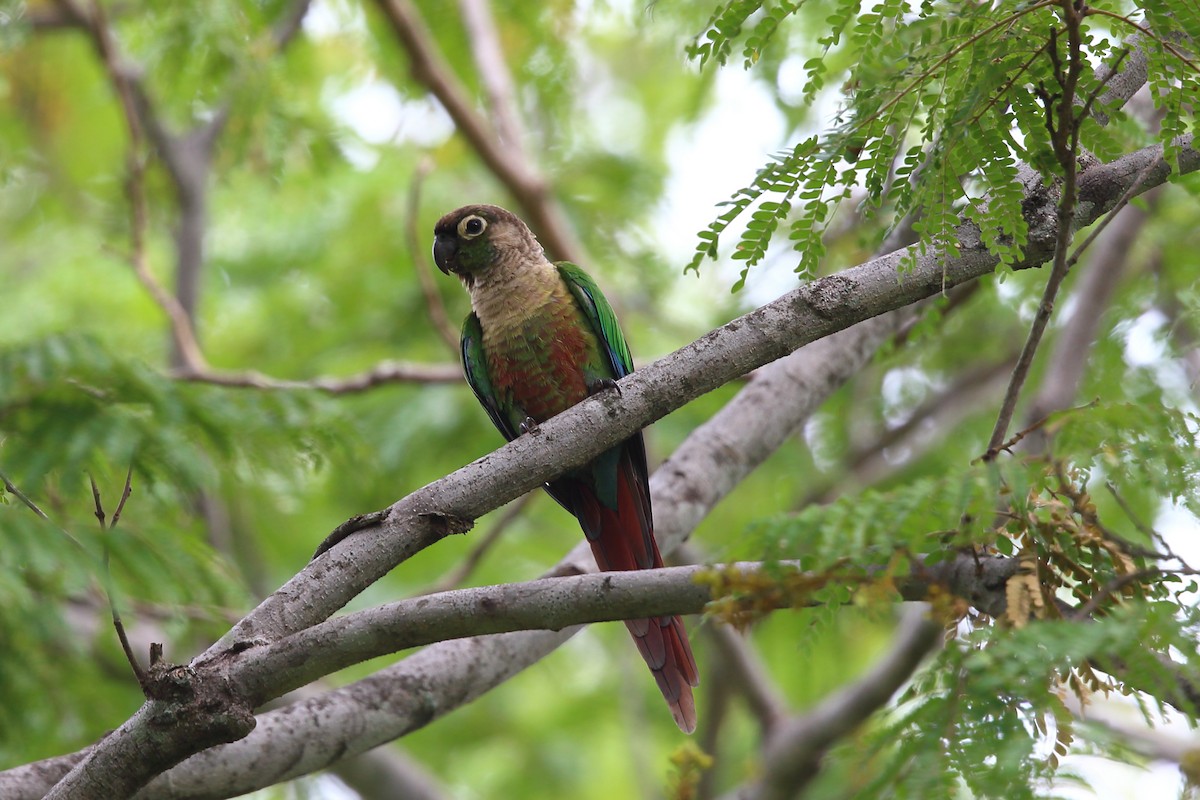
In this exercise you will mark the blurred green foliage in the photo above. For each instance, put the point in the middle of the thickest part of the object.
(310, 272)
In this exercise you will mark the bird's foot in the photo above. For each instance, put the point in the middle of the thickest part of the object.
(529, 425)
(598, 385)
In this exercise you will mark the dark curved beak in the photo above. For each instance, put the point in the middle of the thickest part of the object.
(445, 248)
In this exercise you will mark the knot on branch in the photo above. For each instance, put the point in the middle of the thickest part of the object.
(444, 525)
(1040, 210)
(830, 297)
(198, 703)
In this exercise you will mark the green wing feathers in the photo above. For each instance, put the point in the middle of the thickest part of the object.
(476, 371)
(599, 313)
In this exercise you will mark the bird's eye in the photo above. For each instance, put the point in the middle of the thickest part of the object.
(471, 226)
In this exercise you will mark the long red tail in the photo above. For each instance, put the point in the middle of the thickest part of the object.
(624, 540)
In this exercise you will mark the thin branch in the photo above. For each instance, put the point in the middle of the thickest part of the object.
(418, 253)
(504, 159)
(127, 89)
(1146, 530)
(937, 413)
(1106, 591)
(1063, 126)
(125, 492)
(793, 755)
(1121, 79)
(493, 72)
(291, 24)
(1132, 191)
(12, 489)
(1106, 721)
(383, 373)
(747, 675)
(138, 112)
(1093, 293)
(1008, 445)
(109, 589)
(1145, 31)
(718, 702)
(187, 158)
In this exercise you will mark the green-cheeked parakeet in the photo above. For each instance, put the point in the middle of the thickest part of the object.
(541, 338)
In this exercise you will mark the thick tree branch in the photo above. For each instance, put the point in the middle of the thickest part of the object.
(549, 604)
(804, 315)
(279, 750)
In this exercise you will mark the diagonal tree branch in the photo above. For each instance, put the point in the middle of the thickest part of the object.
(866, 463)
(1063, 127)
(493, 72)
(794, 752)
(281, 747)
(804, 315)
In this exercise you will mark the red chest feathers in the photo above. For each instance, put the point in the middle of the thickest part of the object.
(539, 366)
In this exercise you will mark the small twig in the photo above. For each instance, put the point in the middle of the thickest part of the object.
(1163, 43)
(128, 490)
(463, 570)
(518, 174)
(493, 71)
(96, 500)
(1094, 95)
(1118, 583)
(32, 506)
(1063, 125)
(1087, 513)
(1145, 529)
(24, 498)
(1006, 447)
(109, 589)
(418, 253)
(383, 373)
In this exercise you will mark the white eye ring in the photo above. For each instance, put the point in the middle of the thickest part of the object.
(472, 226)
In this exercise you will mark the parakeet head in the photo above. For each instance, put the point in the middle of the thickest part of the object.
(473, 240)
